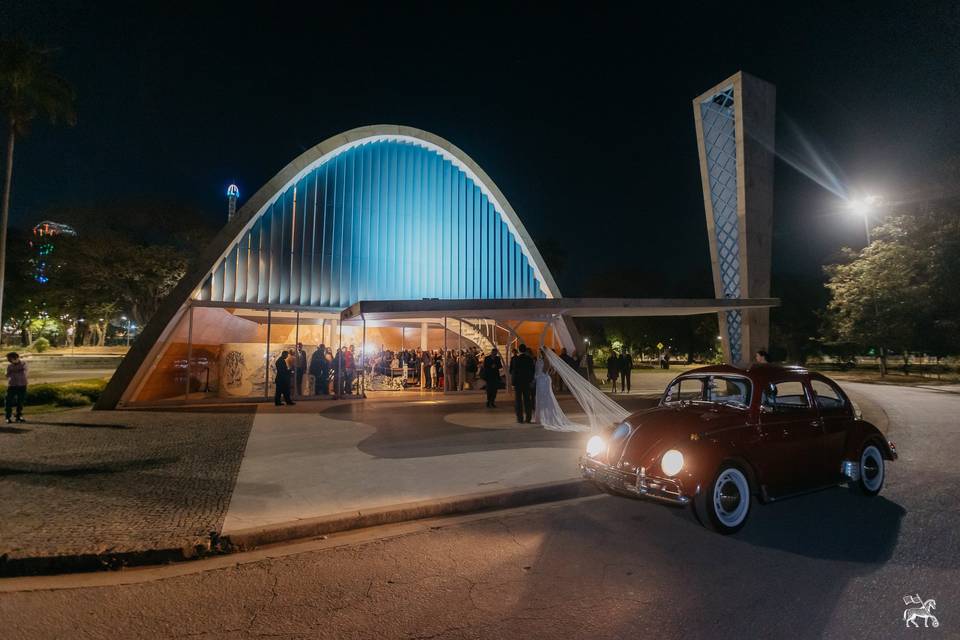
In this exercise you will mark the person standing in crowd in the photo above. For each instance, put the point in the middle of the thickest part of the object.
(16, 386)
(336, 366)
(438, 369)
(318, 369)
(427, 368)
(348, 364)
(521, 376)
(300, 357)
(613, 370)
(490, 373)
(473, 365)
(461, 370)
(626, 370)
(449, 372)
(283, 379)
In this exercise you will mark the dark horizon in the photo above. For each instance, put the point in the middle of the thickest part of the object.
(583, 120)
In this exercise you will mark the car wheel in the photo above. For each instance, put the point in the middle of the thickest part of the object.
(724, 505)
(872, 471)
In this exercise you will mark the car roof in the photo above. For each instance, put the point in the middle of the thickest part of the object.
(759, 373)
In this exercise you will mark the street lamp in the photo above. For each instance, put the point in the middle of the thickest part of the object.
(127, 320)
(862, 207)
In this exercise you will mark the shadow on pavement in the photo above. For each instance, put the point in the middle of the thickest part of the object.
(88, 470)
(85, 425)
(834, 524)
(13, 430)
(243, 409)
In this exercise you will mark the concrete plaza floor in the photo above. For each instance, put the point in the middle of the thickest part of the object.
(320, 458)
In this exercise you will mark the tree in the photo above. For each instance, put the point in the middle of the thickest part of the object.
(795, 324)
(28, 88)
(898, 291)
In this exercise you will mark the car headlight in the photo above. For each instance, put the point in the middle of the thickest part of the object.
(595, 446)
(672, 462)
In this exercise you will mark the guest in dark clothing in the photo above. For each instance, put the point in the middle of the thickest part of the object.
(626, 368)
(16, 386)
(337, 366)
(283, 380)
(319, 369)
(490, 373)
(427, 369)
(613, 369)
(521, 376)
(301, 361)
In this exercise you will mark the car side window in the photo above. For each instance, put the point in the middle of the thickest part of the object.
(785, 397)
(685, 390)
(828, 397)
(728, 390)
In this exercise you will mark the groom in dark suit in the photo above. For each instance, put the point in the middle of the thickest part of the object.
(521, 376)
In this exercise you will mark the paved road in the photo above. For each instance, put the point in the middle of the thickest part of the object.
(831, 565)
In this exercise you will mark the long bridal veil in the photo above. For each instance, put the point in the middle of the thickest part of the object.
(547, 410)
(600, 409)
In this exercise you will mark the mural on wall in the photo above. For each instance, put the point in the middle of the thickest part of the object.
(233, 368)
(243, 369)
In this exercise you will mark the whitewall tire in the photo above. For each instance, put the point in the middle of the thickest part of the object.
(872, 470)
(724, 505)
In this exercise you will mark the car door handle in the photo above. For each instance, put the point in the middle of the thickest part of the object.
(815, 423)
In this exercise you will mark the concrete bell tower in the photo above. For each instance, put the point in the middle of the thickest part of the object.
(735, 138)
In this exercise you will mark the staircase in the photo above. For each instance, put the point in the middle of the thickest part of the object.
(472, 332)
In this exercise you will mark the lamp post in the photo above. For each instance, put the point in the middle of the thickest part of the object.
(127, 320)
(862, 207)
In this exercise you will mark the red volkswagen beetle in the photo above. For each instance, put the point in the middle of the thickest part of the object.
(721, 435)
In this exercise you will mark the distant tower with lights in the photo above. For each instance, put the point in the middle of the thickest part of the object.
(232, 194)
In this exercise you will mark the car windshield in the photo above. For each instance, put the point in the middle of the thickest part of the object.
(728, 390)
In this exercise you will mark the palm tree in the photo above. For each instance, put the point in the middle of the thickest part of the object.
(28, 88)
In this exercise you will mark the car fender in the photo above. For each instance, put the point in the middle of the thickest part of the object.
(708, 455)
(863, 432)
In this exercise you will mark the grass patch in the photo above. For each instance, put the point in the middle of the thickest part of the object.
(76, 393)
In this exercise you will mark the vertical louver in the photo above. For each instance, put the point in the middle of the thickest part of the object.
(387, 219)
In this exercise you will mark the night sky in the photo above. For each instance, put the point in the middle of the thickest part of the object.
(583, 119)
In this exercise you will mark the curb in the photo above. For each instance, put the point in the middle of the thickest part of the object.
(87, 562)
(248, 539)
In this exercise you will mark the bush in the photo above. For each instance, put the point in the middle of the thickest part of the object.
(41, 344)
(73, 400)
(66, 394)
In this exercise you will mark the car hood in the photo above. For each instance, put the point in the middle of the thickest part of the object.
(663, 427)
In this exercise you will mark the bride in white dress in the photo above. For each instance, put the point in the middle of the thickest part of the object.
(547, 410)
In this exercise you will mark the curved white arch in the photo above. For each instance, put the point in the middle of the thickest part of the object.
(309, 160)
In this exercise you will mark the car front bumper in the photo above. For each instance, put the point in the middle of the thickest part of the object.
(639, 484)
